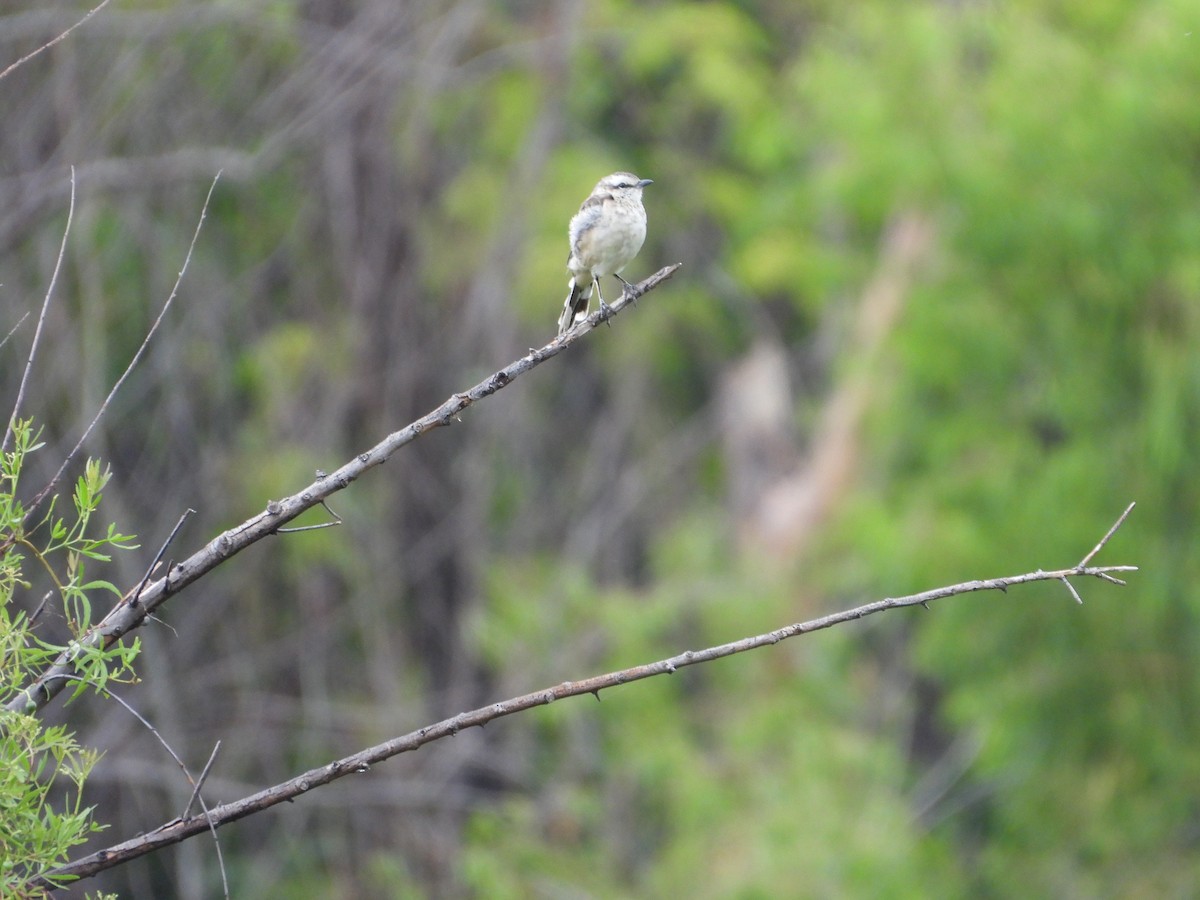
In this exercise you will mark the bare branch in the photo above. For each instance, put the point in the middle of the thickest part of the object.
(127, 616)
(1071, 588)
(180, 829)
(335, 521)
(13, 330)
(1104, 540)
(37, 332)
(136, 356)
(133, 597)
(33, 617)
(212, 758)
(46, 46)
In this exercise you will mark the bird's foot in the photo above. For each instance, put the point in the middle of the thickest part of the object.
(630, 289)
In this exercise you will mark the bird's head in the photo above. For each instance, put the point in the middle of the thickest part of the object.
(622, 184)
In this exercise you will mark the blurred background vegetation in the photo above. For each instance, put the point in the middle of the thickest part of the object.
(939, 318)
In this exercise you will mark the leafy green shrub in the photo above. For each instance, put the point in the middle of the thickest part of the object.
(43, 768)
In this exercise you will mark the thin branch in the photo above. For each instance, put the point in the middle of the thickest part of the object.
(212, 758)
(179, 830)
(33, 617)
(133, 597)
(1070, 587)
(337, 520)
(126, 616)
(195, 783)
(146, 724)
(46, 46)
(136, 356)
(13, 330)
(1104, 540)
(37, 332)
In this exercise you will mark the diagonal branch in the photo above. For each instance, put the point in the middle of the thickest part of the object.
(127, 616)
(1108, 535)
(13, 330)
(180, 829)
(46, 46)
(37, 332)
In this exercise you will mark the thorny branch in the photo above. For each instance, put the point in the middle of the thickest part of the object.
(128, 615)
(180, 829)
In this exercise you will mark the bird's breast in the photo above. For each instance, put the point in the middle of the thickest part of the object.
(614, 238)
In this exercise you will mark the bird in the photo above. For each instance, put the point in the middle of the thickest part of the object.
(605, 235)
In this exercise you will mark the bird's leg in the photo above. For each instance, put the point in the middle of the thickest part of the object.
(630, 289)
(603, 306)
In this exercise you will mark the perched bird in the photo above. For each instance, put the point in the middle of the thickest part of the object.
(606, 234)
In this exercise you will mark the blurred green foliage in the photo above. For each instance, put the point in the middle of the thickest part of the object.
(1045, 373)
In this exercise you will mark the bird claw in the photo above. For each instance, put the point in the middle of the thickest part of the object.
(630, 290)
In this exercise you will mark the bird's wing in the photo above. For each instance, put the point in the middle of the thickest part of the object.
(586, 219)
(595, 200)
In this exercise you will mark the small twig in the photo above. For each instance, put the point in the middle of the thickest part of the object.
(46, 46)
(1104, 540)
(13, 330)
(146, 724)
(212, 758)
(157, 621)
(337, 520)
(1074, 593)
(33, 617)
(136, 356)
(37, 332)
(1100, 546)
(133, 596)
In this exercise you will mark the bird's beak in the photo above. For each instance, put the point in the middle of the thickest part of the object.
(645, 181)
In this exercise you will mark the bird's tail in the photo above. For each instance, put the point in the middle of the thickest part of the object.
(575, 306)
